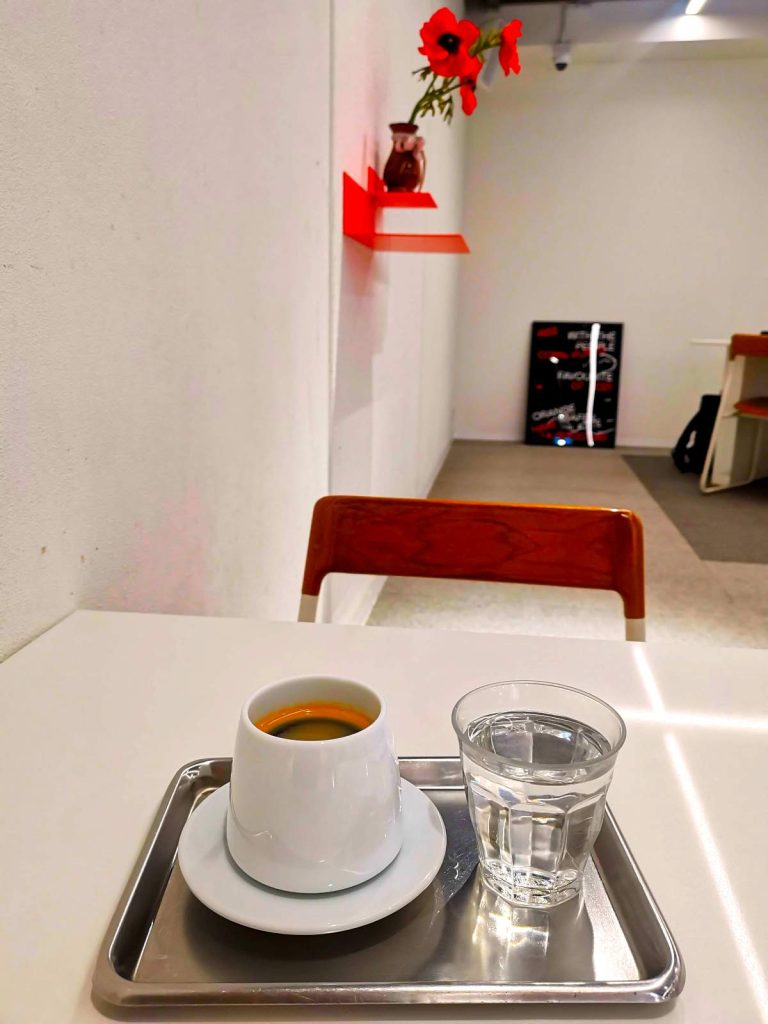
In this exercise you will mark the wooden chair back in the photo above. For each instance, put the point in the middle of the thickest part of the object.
(552, 545)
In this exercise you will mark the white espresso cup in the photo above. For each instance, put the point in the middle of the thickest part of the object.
(314, 815)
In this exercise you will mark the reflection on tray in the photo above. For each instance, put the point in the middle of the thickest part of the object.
(455, 931)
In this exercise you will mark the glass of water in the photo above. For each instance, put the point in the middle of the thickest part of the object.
(537, 759)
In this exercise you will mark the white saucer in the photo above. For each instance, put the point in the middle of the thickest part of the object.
(216, 881)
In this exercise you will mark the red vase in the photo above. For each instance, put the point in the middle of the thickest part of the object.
(407, 164)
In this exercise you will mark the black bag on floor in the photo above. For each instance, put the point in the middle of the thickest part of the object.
(691, 449)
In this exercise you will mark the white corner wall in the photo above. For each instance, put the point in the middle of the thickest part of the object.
(631, 191)
(164, 307)
(393, 316)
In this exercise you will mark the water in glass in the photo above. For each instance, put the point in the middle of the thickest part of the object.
(536, 787)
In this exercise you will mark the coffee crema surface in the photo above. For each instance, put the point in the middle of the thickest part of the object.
(314, 720)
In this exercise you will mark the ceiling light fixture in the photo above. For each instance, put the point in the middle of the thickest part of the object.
(695, 6)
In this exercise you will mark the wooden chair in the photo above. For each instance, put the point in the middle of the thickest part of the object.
(737, 452)
(553, 545)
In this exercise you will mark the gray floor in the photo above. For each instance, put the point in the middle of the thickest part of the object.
(725, 526)
(688, 599)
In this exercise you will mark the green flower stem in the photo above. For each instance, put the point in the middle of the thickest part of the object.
(415, 111)
(451, 85)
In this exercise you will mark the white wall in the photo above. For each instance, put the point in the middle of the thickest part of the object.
(618, 191)
(164, 262)
(393, 313)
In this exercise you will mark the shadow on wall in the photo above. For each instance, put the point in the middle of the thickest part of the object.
(362, 325)
(177, 582)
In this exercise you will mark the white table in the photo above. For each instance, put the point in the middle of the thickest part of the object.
(98, 713)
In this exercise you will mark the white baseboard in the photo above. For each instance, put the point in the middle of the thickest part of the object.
(624, 442)
(468, 435)
(647, 442)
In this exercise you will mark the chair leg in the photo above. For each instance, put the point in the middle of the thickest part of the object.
(708, 488)
(704, 485)
(635, 629)
(308, 607)
(756, 452)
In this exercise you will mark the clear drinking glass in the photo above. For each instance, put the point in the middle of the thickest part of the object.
(537, 759)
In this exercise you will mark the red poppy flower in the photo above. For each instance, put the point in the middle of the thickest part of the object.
(508, 55)
(469, 86)
(447, 42)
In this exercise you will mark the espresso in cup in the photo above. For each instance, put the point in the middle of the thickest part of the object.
(308, 816)
(314, 720)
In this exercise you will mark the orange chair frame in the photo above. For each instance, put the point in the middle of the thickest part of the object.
(551, 545)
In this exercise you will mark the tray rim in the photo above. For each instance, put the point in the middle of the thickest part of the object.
(115, 991)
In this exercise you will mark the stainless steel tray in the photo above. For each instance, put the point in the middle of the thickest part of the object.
(454, 944)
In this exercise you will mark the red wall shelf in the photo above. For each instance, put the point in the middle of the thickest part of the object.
(359, 221)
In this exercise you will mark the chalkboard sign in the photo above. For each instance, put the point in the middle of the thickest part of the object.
(558, 384)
